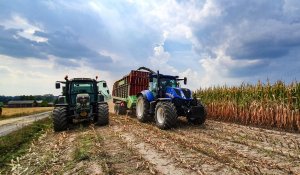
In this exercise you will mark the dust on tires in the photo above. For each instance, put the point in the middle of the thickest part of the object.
(165, 115)
(103, 115)
(142, 109)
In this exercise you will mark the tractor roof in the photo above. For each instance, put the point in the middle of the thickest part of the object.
(165, 76)
(82, 79)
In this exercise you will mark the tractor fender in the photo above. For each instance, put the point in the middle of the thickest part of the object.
(147, 94)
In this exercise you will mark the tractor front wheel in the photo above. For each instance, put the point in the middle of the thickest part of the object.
(102, 116)
(165, 115)
(60, 119)
(142, 109)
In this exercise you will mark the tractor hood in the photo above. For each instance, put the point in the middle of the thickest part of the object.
(182, 93)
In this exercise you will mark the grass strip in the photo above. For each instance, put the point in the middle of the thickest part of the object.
(18, 142)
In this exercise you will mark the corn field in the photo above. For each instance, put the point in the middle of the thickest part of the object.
(268, 105)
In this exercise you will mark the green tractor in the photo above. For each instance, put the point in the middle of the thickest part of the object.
(82, 99)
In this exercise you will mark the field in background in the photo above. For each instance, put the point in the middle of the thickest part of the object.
(269, 105)
(16, 112)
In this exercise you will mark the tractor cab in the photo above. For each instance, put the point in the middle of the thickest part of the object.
(165, 86)
(81, 99)
(77, 89)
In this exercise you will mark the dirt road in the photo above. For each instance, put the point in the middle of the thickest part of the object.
(129, 147)
(9, 125)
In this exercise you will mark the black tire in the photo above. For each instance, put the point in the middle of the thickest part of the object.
(201, 119)
(119, 110)
(142, 109)
(102, 116)
(165, 115)
(60, 119)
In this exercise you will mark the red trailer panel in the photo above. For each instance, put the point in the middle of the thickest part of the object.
(131, 84)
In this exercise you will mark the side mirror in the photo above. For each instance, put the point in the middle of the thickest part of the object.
(184, 80)
(104, 85)
(57, 85)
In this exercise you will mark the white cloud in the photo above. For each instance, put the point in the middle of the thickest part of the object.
(34, 76)
(27, 29)
(159, 61)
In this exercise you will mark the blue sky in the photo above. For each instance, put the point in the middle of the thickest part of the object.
(211, 42)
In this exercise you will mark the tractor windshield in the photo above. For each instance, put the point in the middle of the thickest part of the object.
(82, 87)
(168, 82)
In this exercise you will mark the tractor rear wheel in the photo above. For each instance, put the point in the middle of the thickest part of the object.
(142, 109)
(165, 115)
(102, 116)
(119, 110)
(60, 119)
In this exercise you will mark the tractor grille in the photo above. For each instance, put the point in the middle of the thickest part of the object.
(187, 93)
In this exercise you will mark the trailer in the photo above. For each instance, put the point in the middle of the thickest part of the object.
(158, 96)
(125, 90)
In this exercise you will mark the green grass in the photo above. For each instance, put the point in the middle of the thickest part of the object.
(83, 148)
(18, 142)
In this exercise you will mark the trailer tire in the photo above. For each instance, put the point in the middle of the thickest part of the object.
(119, 110)
(60, 119)
(142, 109)
(165, 115)
(102, 115)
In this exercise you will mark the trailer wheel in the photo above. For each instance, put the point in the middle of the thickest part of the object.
(142, 109)
(60, 119)
(102, 116)
(165, 115)
(119, 110)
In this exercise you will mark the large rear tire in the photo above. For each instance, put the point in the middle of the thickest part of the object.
(142, 109)
(165, 115)
(103, 115)
(60, 119)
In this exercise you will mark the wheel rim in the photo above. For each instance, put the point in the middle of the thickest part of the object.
(140, 108)
(160, 115)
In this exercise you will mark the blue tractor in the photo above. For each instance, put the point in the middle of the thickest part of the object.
(166, 100)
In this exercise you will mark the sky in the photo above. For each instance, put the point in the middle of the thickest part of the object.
(211, 42)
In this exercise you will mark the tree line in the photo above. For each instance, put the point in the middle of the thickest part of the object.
(47, 98)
